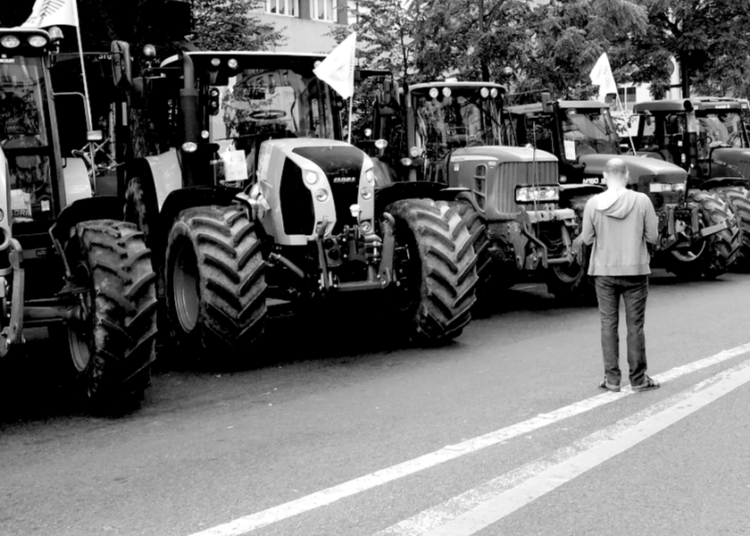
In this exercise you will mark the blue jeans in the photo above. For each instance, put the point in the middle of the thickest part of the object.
(634, 290)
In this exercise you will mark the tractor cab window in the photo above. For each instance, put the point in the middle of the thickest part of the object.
(24, 137)
(675, 131)
(259, 104)
(721, 129)
(591, 130)
(535, 131)
(451, 118)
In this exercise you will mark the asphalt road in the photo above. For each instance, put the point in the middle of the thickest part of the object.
(330, 431)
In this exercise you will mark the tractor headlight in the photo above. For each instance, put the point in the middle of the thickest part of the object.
(215, 62)
(189, 147)
(10, 41)
(493, 92)
(660, 187)
(529, 194)
(311, 177)
(484, 92)
(370, 176)
(37, 41)
(204, 134)
(321, 195)
(232, 63)
(405, 162)
(381, 144)
(414, 152)
(366, 194)
(563, 179)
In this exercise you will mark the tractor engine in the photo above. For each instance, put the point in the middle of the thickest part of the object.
(316, 203)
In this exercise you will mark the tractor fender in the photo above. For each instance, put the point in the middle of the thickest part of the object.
(76, 180)
(383, 175)
(397, 191)
(104, 207)
(721, 182)
(184, 198)
(164, 172)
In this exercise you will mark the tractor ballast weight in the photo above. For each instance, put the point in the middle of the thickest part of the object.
(707, 137)
(256, 197)
(68, 266)
(698, 235)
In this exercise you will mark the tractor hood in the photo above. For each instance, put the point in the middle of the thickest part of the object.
(640, 167)
(500, 154)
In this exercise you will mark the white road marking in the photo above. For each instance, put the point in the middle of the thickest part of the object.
(251, 522)
(478, 508)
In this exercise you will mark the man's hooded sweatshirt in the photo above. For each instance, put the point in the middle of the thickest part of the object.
(619, 222)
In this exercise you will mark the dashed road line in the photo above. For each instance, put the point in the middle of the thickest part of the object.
(251, 522)
(485, 505)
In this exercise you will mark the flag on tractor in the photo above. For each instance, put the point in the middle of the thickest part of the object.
(337, 69)
(601, 75)
(52, 13)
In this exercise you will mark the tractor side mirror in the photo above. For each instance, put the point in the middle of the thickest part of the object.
(122, 70)
(94, 135)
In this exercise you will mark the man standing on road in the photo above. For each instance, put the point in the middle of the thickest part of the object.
(619, 222)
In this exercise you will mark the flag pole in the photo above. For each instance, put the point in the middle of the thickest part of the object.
(351, 108)
(87, 108)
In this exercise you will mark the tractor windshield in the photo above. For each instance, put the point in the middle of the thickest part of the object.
(720, 128)
(449, 118)
(258, 104)
(23, 136)
(590, 131)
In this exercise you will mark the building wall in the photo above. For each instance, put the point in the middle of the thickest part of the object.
(303, 33)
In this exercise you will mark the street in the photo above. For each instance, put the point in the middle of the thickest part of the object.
(333, 432)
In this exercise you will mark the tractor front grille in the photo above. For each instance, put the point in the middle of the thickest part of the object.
(343, 168)
(512, 174)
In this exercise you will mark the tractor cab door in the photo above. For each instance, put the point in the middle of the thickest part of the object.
(26, 138)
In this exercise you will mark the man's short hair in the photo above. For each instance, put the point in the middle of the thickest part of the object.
(617, 167)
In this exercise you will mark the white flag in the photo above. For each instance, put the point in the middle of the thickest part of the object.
(601, 75)
(337, 70)
(52, 13)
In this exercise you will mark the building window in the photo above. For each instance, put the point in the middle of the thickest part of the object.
(627, 97)
(324, 10)
(289, 8)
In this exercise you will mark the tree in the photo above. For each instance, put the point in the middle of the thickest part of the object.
(709, 40)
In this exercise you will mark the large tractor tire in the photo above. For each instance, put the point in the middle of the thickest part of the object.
(142, 209)
(112, 340)
(436, 266)
(713, 256)
(215, 283)
(739, 199)
(571, 284)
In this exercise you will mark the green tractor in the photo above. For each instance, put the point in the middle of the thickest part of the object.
(250, 195)
(70, 267)
(452, 135)
(707, 137)
(699, 234)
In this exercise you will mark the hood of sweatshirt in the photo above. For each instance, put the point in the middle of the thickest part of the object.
(616, 202)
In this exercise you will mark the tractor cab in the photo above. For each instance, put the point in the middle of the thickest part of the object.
(236, 100)
(445, 116)
(705, 135)
(27, 129)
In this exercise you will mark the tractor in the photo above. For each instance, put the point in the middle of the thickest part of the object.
(699, 234)
(70, 268)
(251, 196)
(453, 133)
(707, 137)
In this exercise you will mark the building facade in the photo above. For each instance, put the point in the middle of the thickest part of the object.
(307, 23)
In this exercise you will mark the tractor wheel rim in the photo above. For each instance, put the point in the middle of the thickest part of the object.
(186, 288)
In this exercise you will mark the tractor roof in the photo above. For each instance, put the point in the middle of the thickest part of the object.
(672, 105)
(21, 45)
(456, 85)
(259, 59)
(536, 107)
